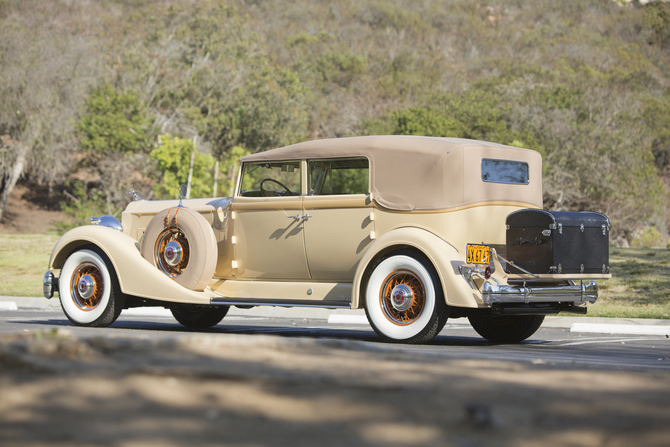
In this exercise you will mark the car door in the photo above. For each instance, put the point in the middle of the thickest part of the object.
(337, 215)
(268, 229)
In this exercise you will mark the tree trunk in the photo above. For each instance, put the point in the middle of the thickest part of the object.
(16, 173)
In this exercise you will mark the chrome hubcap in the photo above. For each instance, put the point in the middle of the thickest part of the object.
(86, 286)
(173, 253)
(401, 297)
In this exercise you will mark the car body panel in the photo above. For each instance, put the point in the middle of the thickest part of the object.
(136, 275)
(337, 233)
(269, 242)
(444, 256)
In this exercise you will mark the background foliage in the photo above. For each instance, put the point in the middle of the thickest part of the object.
(585, 82)
(173, 159)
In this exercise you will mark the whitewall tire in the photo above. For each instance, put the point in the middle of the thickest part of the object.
(89, 290)
(404, 299)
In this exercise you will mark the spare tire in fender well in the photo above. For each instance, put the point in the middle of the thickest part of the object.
(181, 243)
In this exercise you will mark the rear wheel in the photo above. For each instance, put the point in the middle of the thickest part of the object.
(199, 317)
(404, 299)
(506, 329)
(89, 290)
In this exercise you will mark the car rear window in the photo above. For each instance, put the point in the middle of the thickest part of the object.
(505, 171)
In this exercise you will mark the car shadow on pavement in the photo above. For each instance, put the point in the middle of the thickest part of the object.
(282, 329)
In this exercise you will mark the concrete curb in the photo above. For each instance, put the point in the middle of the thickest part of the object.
(638, 326)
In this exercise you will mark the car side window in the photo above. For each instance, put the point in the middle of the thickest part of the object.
(339, 176)
(270, 179)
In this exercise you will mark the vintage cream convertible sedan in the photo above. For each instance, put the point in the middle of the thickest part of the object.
(414, 230)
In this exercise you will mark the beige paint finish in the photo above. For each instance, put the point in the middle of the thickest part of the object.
(444, 256)
(269, 239)
(138, 214)
(283, 290)
(337, 234)
(476, 191)
(484, 223)
(135, 274)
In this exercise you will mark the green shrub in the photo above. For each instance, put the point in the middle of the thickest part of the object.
(649, 237)
(174, 160)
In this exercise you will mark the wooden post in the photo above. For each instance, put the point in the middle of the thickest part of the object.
(216, 176)
(190, 170)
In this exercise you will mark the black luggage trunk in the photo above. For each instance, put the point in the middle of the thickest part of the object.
(558, 241)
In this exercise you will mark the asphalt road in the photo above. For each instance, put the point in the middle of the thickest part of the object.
(550, 347)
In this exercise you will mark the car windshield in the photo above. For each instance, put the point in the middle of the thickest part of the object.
(271, 179)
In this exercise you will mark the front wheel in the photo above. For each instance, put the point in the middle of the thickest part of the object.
(89, 290)
(199, 317)
(404, 299)
(506, 329)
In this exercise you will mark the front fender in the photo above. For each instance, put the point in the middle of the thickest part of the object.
(136, 275)
(444, 256)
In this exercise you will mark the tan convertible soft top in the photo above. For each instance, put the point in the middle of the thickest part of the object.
(425, 173)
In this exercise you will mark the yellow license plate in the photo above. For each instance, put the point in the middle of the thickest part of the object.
(477, 254)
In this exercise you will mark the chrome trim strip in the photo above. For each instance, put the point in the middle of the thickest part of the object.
(500, 293)
(280, 303)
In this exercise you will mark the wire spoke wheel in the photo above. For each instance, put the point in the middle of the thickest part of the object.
(90, 294)
(404, 300)
(172, 252)
(87, 286)
(403, 297)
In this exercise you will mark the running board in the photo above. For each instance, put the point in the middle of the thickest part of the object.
(280, 303)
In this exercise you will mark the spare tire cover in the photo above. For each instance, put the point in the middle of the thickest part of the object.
(181, 243)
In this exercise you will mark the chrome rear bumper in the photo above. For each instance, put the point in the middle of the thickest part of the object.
(578, 293)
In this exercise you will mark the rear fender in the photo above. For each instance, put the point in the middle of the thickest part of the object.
(136, 275)
(443, 255)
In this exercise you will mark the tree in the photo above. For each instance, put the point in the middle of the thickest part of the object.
(44, 71)
(114, 122)
(115, 133)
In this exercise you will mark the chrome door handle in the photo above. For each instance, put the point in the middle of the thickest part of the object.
(306, 216)
(294, 217)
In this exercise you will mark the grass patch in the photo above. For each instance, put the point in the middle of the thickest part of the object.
(23, 260)
(639, 287)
